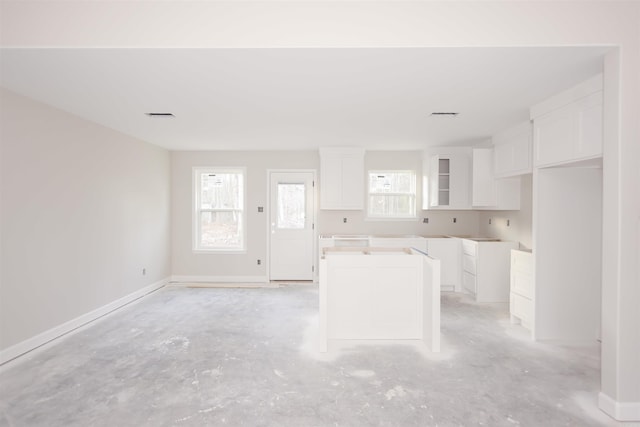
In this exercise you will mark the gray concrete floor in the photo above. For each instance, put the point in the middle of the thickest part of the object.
(246, 357)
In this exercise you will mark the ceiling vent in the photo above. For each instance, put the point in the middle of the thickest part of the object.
(160, 114)
(444, 114)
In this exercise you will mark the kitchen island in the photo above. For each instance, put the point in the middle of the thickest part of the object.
(372, 293)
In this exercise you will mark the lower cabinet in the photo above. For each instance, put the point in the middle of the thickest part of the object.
(485, 269)
(447, 250)
(522, 296)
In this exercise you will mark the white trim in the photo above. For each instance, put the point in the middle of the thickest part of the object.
(621, 411)
(314, 209)
(195, 217)
(218, 279)
(43, 338)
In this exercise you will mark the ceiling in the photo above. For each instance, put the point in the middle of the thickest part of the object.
(300, 99)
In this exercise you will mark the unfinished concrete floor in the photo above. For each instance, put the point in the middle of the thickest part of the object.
(245, 357)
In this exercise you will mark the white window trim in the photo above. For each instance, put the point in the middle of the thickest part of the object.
(195, 218)
(412, 217)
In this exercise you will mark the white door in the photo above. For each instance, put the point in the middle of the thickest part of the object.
(291, 246)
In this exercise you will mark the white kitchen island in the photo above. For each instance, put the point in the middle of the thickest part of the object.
(369, 293)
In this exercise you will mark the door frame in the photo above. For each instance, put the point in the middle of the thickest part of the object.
(314, 218)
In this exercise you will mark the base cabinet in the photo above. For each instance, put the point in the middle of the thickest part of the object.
(522, 296)
(447, 250)
(485, 269)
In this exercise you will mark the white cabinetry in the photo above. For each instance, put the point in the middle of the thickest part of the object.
(522, 297)
(447, 172)
(512, 151)
(447, 250)
(376, 293)
(568, 126)
(485, 269)
(342, 178)
(491, 193)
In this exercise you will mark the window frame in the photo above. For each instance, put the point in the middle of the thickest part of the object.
(413, 216)
(196, 193)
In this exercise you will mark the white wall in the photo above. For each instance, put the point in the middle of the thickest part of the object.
(187, 263)
(84, 210)
(220, 266)
(415, 24)
(519, 228)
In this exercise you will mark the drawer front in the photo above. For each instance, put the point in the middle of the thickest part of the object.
(522, 284)
(469, 247)
(522, 308)
(469, 282)
(522, 262)
(469, 264)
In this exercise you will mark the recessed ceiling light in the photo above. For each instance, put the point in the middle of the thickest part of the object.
(444, 114)
(160, 114)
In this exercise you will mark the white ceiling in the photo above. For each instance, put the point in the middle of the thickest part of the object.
(248, 99)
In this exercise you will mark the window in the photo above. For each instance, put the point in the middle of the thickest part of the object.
(392, 194)
(218, 216)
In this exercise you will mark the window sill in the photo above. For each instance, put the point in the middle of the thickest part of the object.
(220, 251)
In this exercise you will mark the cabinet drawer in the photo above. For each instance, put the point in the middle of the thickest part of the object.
(469, 247)
(469, 264)
(469, 282)
(522, 262)
(522, 284)
(522, 308)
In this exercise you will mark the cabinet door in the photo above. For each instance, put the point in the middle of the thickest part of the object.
(484, 185)
(554, 135)
(341, 178)
(331, 182)
(503, 159)
(521, 149)
(589, 117)
(352, 182)
(512, 151)
(460, 183)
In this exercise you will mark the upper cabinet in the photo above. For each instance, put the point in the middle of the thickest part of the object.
(488, 192)
(512, 151)
(568, 127)
(447, 180)
(342, 178)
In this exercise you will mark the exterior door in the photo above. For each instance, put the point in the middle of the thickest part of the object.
(291, 216)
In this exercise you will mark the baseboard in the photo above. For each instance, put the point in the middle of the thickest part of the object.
(620, 411)
(219, 279)
(43, 338)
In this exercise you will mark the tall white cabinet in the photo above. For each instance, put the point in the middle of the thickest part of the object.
(567, 214)
(342, 185)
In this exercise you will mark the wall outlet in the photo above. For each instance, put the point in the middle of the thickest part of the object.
(260, 209)
(144, 271)
(455, 220)
(489, 221)
(259, 262)
(425, 220)
(344, 220)
(508, 223)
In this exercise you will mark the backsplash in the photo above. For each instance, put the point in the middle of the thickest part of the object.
(439, 222)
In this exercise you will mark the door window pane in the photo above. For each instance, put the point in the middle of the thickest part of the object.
(291, 206)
